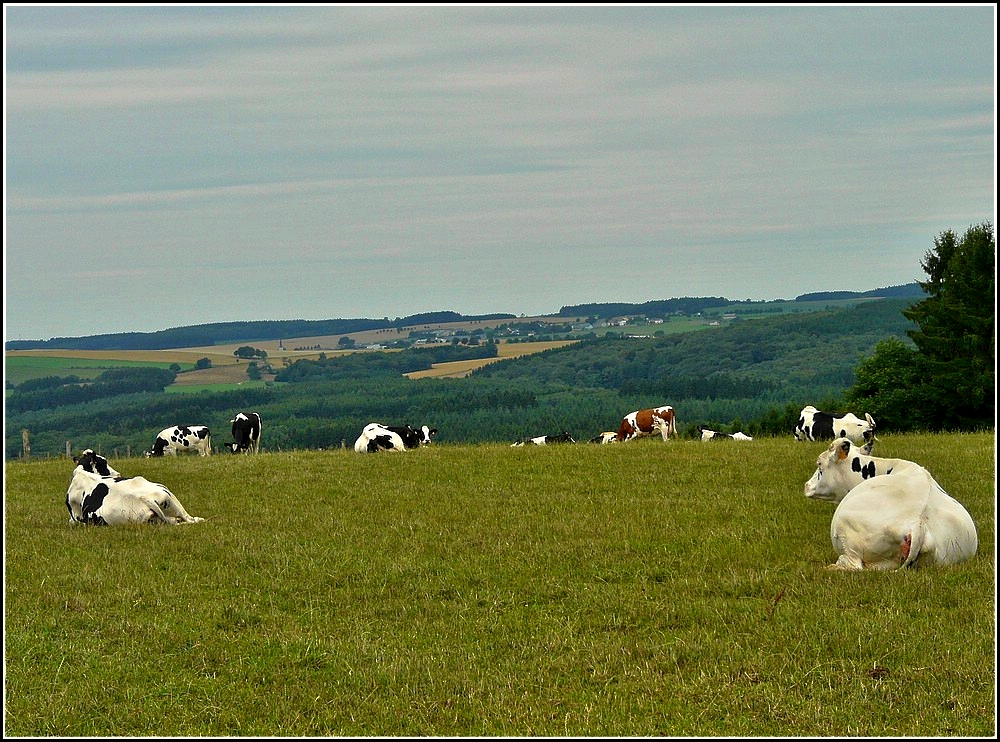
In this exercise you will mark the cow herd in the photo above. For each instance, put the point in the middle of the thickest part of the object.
(890, 513)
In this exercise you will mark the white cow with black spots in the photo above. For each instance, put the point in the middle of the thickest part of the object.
(892, 512)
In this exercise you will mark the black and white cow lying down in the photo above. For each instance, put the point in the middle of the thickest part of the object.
(714, 435)
(99, 495)
(182, 439)
(378, 437)
(543, 440)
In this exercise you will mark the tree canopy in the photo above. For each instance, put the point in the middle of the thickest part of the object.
(947, 381)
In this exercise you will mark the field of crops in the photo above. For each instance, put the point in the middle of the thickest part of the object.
(642, 589)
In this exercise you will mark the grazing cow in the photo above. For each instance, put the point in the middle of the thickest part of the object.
(814, 425)
(112, 500)
(412, 438)
(187, 438)
(542, 440)
(246, 433)
(647, 422)
(714, 435)
(609, 436)
(377, 437)
(843, 466)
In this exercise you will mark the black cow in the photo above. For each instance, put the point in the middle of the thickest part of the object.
(246, 433)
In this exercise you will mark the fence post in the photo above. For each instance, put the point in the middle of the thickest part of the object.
(26, 444)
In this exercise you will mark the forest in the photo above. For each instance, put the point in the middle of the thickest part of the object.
(752, 375)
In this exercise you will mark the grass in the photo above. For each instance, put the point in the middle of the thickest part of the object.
(645, 589)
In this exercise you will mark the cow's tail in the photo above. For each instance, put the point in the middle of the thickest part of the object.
(913, 541)
(912, 544)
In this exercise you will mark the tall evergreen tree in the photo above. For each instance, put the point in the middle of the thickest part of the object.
(951, 373)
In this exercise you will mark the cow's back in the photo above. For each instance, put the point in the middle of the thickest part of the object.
(899, 520)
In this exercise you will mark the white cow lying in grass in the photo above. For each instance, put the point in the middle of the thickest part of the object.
(891, 513)
(99, 495)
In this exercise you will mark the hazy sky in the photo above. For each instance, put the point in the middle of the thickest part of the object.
(170, 166)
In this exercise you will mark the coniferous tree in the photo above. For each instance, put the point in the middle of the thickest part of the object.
(948, 380)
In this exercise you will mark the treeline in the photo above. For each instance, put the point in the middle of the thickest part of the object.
(50, 392)
(704, 304)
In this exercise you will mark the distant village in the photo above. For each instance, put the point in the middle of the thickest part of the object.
(516, 331)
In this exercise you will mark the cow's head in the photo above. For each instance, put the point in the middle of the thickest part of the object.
(840, 468)
(868, 435)
(95, 464)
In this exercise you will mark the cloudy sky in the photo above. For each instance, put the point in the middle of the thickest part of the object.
(170, 166)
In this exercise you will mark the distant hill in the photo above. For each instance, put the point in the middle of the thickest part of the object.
(693, 305)
(906, 291)
(223, 333)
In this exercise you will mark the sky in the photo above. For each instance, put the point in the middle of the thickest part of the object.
(168, 166)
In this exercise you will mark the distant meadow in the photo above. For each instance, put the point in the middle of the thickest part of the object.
(639, 589)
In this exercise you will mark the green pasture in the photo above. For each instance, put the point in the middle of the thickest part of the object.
(640, 589)
(18, 369)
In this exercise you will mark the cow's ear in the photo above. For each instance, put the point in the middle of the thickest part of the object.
(843, 450)
(870, 419)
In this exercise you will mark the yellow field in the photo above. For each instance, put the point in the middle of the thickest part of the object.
(227, 369)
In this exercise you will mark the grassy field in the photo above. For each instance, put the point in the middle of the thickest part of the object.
(645, 589)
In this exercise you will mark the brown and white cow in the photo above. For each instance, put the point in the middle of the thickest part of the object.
(648, 422)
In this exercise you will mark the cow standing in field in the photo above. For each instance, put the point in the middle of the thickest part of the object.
(814, 425)
(543, 440)
(246, 433)
(187, 439)
(648, 422)
(109, 499)
(891, 513)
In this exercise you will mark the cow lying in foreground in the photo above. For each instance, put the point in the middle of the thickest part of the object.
(814, 425)
(714, 435)
(892, 513)
(378, 437)
(109, 499)
(182, 439)
(608, 436)
(647, 422)
(543, 440)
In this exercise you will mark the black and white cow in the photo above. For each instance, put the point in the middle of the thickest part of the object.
(377, 437)
(246, 433)
(97, 499)
(814, 425)
(183, 438)
(543, 440)
(714, 435)
(608, 436)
